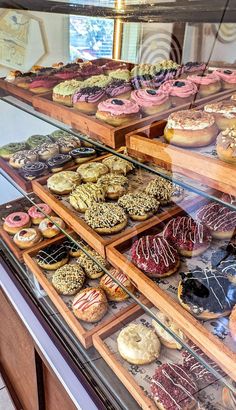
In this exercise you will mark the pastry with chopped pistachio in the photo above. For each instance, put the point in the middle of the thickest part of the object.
(140, 206)
(115, 185)
(69, 279)
(118, 165)
(92, 270)
(165, 191)
(106, 218)
(86, 195)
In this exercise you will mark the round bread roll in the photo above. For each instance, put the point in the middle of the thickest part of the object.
(90, 305)
(113, 291)
(63, 182)
(164, 336)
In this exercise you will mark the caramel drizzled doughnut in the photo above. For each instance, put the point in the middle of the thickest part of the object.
(139, 206)
(118, 165)
(113, 291)
(219, 219)
(20, 158)
(155, 256)
(106, 218)
(90, 305)
(68, 279)
(164, 191)
(115, 185)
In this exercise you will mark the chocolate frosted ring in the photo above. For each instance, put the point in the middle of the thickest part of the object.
(82, 152)
(58, 160)
(37, 169)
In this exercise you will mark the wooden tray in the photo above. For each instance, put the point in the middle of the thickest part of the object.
(200, 164)
(163, 294)
(19, 205)
(82, 330)
(18, 92)
(137, 378)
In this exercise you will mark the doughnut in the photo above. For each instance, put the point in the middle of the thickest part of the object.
(118, 165)
(230, 199)
(57, 162)
(12, 75)
(58, 134)
(165, 336)
(34, 170)
(219, 219)
(48, 229)
(224, 259)
(200, 372)
(37, 216)
(227, 77)
(118, 112)
(228, 399)
(226, 145)
(6, 151)
(87, 98)
(207, 84)
(67, 143)
(27, 237)
(113, 291)
(63, 182)
(68, 279)
(36, 140)
(232, 324)
(73, 249)
(90, 305)
(115, 185)
(179, 91)
(193, 67)
(190, 128)
(206, 293)
(120, 88)
(155, 256)
(173, 388)
(190, 238)
(106, 218)
(151, 101)
(42, 84)
(47, 151)
(52, 257)
(92, 270)
(224, 113)
(15, 222)
(86, 195)
(92, 171)
(139, 206)
(83, 154)
(120, 74)
(113, 65)
(21, 158)
(164, 191)
(138, 344)
(63, 92)
(92, 71)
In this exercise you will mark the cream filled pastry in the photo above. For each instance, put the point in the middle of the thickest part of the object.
(224, 113)
(51, 227)
(27, 237)
(220, 219)
(228, 78)
(226, 145)
(87, 99)
(179, 91)
(151, 101)
(117, 111)
(207, 83)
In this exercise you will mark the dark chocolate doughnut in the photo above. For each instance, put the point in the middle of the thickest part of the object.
(31, 171)
(58, 161)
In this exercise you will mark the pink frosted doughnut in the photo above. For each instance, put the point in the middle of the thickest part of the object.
(17, 219)
(35, 213)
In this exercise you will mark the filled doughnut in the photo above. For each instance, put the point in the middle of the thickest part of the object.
(52, 257)
(27, 237)
(220, 219)
(90, 305)
(48, 228)
(37, 216)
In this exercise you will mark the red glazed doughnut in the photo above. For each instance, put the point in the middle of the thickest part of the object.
(220, 219)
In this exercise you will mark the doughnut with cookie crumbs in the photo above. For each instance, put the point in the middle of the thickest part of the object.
(139, 206)
(68, 279)
(226, 145)
(116, 185)
(224, 113)
(86, 195)
(106, 218)
(164, 191)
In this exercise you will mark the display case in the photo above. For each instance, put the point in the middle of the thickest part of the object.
(118, 203)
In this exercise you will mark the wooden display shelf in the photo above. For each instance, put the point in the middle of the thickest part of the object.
(83, 331)
(18, 92)
(164, 296)
(19, 205)
(197, 163)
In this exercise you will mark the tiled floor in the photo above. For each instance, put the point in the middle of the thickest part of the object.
(5, 400)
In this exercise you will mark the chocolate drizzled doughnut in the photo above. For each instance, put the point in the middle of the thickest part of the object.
(58, 160)
(34, 170)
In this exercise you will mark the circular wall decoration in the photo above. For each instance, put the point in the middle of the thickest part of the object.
(226, 33)
(162, 45)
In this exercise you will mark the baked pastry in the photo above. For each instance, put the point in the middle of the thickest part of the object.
(224, 113)
(90, 305)
(24, 80)
(193, 67)
(92, 70)
(190, 128)
(92, 269)
(47, 151)
(73, 249)
(87, 99)
(200, 372)
(164, 191)
(165, 337)
(232, 323)
(119, 88)
(155, 256)
(138, 344)
(151, 101)
(15, 222)
(58, 162)
(37, 216)
(84, 196)
(63, 92)
(92, 171)
(139, 206)
(55, 135)
(207, 84)
(34, 170)
(48, 228)
(228, 398)
(190, 238)
(21, 158)
(224, 259)
(68, 279)
(113, 65)
(115, 185)
(64, 182)
(220, 219)
(230, 199)
(42, 84)
(12, 75)
(112, 290)
(179, 91)
(52, 257)
(226, 145)
(118, 165)
(67, 143)
(173, 388)
(27, 237)
(100, 81)
(118, 112)
(120, 74)
(36, 140)
(106, 218)
(83, 154)
(6, 151)
(206, 293)
(227, 77)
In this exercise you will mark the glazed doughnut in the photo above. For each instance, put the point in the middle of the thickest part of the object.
(118, 165)
(57, 163)
(118, 112)
(191, 238)
(34, 170)
(226, 145)
(139, 206)
(49, 229)
(155, 256)
(179, 91)
(115, 185)
(27, 237)
(83, 154)
(138, 344)
(68, 279)
(90, 305)
(52, 257)
(92, 171)
(224, 113)
(206, 293)
(232, 323)
(37, 216)
(86, 195)
(21, 158)
(113, 291)
(92, 270)
(220, 219)
(106, 218)
(164, 336)
(16, 221)
(190, 128)
(64, 182)
(165, 191)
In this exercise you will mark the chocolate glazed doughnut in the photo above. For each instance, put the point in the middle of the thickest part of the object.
(57, 162)
(35, 170)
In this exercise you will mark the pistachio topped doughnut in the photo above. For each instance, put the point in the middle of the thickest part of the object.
(6, 151)
(36, 140)
(115, 185)
(58, 134)
(106, 218)
(68, 279)
(139, 206)
(92, 270)
(118, 165)
(164, 191)
(91, 171)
